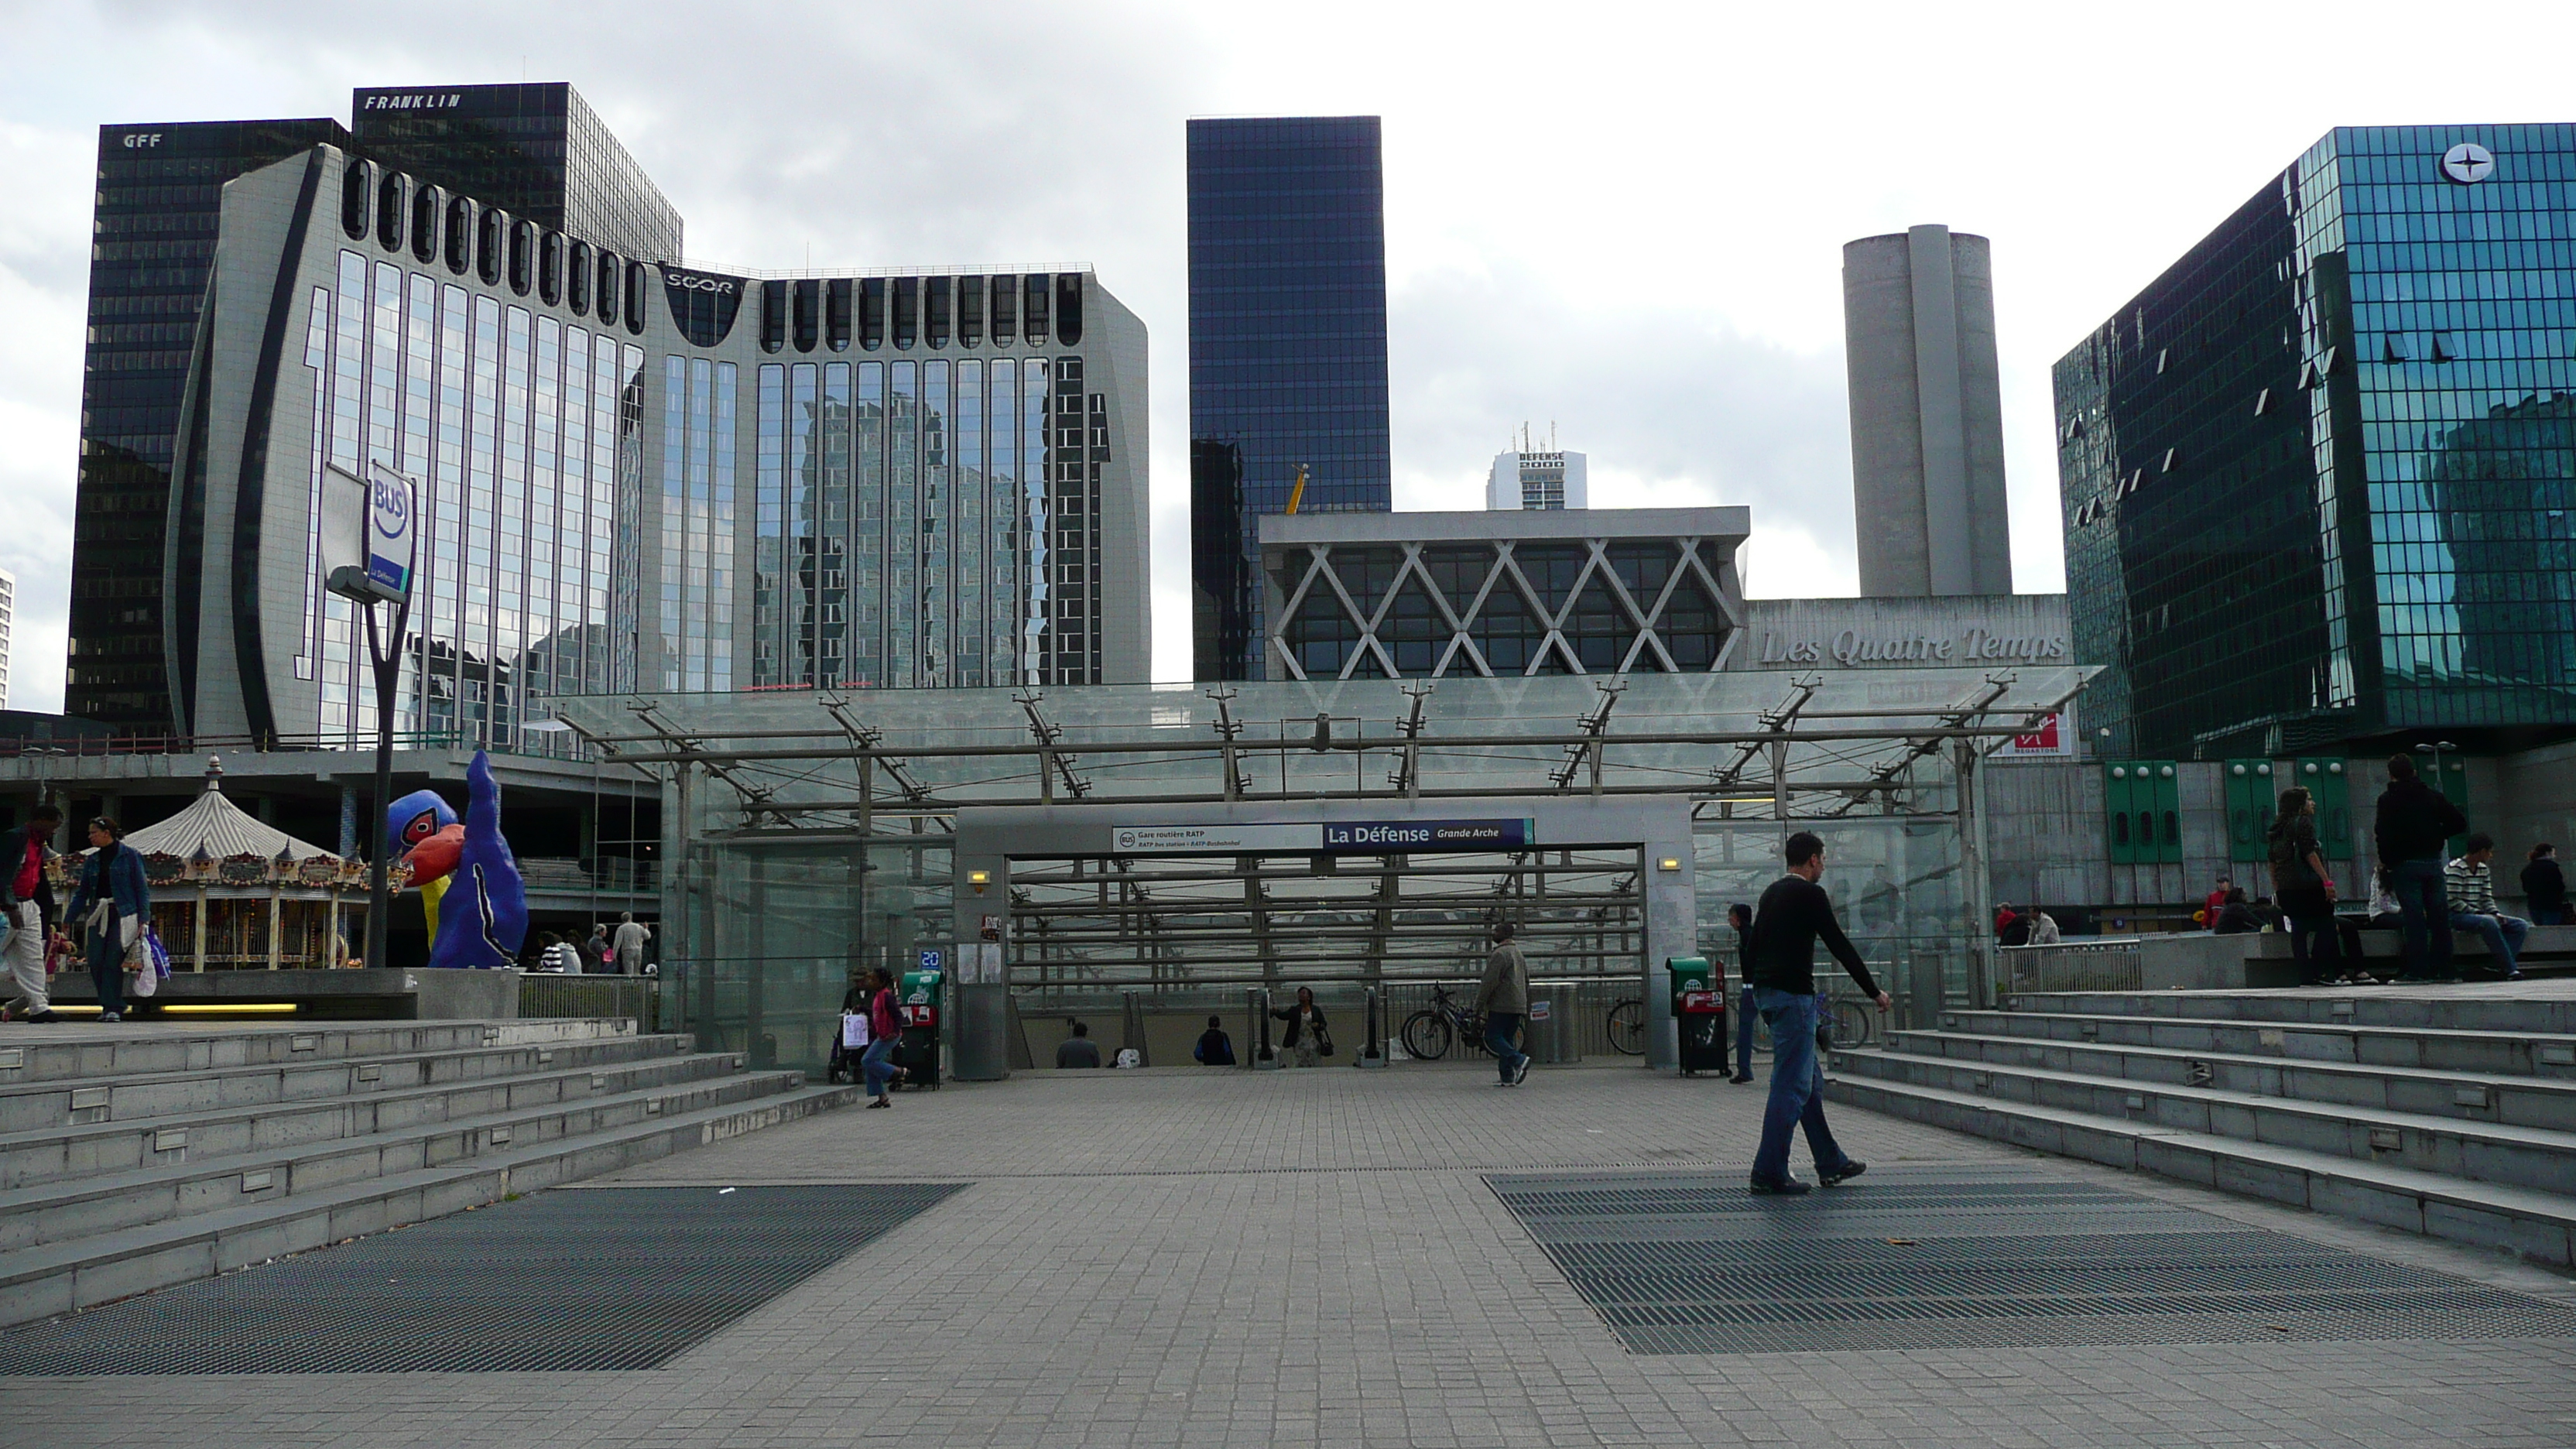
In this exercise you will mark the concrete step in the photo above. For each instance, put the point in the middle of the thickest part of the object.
(177, 1184)
(68, 1050)
(55, 1278)
(2513, 1099)
(57, 1154)
(2503, 1006)
(2478, 1151)
(2502, 1053)
(63, 1103)
(2539, 1225)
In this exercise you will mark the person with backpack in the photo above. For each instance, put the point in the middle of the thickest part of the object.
(27, 914)
(110, 907)
(2305, 889)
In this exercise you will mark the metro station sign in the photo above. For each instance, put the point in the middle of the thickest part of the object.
(1328, 837)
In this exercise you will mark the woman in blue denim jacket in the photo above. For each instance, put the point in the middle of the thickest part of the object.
(110, 909)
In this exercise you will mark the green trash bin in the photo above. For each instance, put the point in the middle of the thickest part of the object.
(1699, 1015)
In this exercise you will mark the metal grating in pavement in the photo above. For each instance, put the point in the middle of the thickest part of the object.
(586, 1279)
(2008, 1257)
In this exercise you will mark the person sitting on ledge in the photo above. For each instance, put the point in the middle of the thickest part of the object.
(1079, 1050)
(2237, 916)
(2468, 887)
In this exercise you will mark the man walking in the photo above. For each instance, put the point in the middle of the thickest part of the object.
(1740, 916)
(630, 942)
(1504, 999)
(2413, 825)
(1793, 913)
(27, 914)
(2468, 888)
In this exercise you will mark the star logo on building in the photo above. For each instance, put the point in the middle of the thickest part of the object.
(2468, 163)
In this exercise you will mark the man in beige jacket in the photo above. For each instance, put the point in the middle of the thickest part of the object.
(1504, 999)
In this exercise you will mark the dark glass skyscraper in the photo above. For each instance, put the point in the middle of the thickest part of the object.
(536, 151)
(159, 190)
(1287, 352)
(2319, 479)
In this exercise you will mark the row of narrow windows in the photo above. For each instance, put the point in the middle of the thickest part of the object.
(401, 212)
(911, 311)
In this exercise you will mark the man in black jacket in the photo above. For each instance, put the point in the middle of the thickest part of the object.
(27, 913)
(2413, 829)
(1793, 914)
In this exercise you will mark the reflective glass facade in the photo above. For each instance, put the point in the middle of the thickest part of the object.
(1287, 351)
(2319, 480)
(159, 191)
(510, 420)
(536, 151)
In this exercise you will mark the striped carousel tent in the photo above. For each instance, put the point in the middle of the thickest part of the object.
(232, 892)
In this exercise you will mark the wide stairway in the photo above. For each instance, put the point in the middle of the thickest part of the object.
(2451, 1115)
(132, 1160)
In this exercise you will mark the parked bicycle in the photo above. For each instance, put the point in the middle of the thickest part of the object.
(1429, 1033)
(1627, 1027)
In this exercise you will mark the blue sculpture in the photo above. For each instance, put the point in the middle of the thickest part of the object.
(481, 922)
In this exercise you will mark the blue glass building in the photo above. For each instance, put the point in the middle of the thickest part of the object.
(2319, 478)
(1287, 352)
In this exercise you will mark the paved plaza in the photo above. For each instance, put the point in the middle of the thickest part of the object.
(1188, 1258)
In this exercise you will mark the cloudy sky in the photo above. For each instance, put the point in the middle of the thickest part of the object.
(1625, 220)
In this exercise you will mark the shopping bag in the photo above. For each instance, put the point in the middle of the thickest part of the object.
(854, 1030)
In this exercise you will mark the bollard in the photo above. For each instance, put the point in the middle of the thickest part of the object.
(1263, 1058)
(1372, 1045)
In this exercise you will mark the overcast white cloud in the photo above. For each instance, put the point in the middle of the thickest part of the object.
(1623, 218)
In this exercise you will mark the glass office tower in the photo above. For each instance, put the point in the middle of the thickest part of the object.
(1287, 352)
(159, 190)
(2319, 479)
(536, 151)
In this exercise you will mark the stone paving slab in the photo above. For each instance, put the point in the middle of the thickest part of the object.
(1314, 1258)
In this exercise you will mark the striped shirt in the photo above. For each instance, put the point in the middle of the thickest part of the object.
(2469, 889)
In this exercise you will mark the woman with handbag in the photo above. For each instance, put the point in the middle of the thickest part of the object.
(109, 909)
(1308, 1039)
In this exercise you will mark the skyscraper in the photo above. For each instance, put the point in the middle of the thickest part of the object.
(159, 189)
(2319, 477)
(630, 473)
(535, 151)
(1287, 353)
(1926, 415)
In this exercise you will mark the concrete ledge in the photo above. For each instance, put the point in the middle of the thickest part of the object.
(419, 995)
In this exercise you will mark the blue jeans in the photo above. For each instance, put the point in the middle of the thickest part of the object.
(1744, 1033)
(2503, 934)
(107, 968)
(1797, 1082)
(2423, 915)
(876, 1065)
(1500, 1028)
(2549, 915)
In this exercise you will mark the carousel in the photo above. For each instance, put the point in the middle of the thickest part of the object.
(232, 893)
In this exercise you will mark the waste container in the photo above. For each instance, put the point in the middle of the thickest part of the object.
(1699, 1014)
(1549, 1036)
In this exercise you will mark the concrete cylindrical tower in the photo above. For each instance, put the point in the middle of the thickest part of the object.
(1926, 415)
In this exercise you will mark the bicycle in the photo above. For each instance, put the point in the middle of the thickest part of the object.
(1429, 1033)
(1627, 1027)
